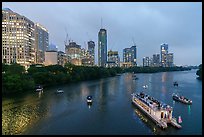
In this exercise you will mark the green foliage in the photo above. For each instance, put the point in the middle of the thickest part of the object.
(15, 69)
(199, 72)
(16, 80)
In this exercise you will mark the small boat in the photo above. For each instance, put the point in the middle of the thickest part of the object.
(182, 99)
(136, 78)
(38, 88)
(179, 120)
(176, 84)
(59, 91)
(89, 99)
(145, 86)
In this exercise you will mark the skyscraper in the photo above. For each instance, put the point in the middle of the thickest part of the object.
(113, 59)
(130, 55)
(156, 60)
(73, 51)
(170, 59)
(18, 39)
(91, 50)
(102, 47)
(41, 42)
(146, 62)
(164, 53)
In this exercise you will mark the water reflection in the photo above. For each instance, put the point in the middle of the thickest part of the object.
(40, 94)
(189, 109)
(17, 118)
(144, 119)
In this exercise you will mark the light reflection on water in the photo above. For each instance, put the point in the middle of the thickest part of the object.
(16, 119)
(111, 107)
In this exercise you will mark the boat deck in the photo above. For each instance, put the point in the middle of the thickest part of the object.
(174, 123)
(160, 123)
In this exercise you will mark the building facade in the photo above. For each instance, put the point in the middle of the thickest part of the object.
(73, 52)
(61, 58)
(102, 47)
(170, 60)
(51, 58)
(146, 62)
(91, 50)
(156, 60)
(164, 53)
(113, 59)
(130, 55)
(18, 39)
(41, 42)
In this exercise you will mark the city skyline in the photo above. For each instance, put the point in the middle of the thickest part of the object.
(149, 24)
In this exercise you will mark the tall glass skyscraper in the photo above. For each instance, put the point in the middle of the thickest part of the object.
(102, 47)
(164, 53)
(41, 41)
(91, 50)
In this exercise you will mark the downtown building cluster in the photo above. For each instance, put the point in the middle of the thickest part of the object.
(164, 59)
(27, 43)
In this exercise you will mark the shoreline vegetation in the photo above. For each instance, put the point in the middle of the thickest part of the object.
(15, 79)
(199, 72)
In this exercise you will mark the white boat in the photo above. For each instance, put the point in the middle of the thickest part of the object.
(158, 111)
(145, 86)
(39, 88)
(60, 91)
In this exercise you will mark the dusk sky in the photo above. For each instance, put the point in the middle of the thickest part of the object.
(150, 24)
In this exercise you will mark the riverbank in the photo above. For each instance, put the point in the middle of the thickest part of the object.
(16, 80)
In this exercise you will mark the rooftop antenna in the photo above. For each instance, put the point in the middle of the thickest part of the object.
(133, 42)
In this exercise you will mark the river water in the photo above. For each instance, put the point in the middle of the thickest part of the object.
(111, 113)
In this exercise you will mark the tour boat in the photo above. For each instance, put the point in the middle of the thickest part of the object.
(89, 99)
(182, 99)
(158, 111)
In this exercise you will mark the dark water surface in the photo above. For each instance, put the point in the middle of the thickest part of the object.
(111, 111)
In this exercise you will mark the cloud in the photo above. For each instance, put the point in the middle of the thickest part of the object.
(150, 24)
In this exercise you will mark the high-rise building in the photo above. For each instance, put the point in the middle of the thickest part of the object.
(86, 58)
(113, 59)
(102, 47)
(170, 59)
(73, 51)
(164, 52)
(146, 61)
(51, 58)
(130, 55)
(41, 42)
(156, 60)
(91, 50)
(18, 39)
(61, 58)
